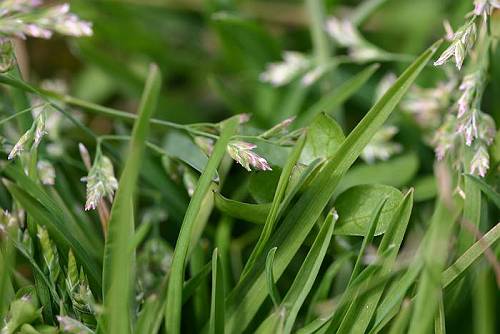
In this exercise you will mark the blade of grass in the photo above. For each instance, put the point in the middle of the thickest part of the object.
(359, 317)
(338, 96)
(60, 234)
(216, 325)
(486, 189)
(434, 257)
(321, 293)
(439, 321)
(245, 300)
(303, 282)
(174, 296)
(201, 295)
(118, 259)
(275, 206)
(271, 283)
(401, 322)
(367, 239)
(458, 268)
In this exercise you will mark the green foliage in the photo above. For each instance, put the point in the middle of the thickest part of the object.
(247, 204)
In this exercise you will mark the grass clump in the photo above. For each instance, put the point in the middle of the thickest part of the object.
(197, 176)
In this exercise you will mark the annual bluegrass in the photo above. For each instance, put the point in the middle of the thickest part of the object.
(241, 167)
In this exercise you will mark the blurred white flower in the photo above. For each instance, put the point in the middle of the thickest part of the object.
(281, 73)
(347, 35)
(21, 18)
(46, 172)
(381, 147)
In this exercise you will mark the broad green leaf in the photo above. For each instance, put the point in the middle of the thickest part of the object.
(262, 185)
(356, 205)
(117, 282)
(249, 294)
(324, 137)
(271, 283)
(174, 295)
(254, 213)
(395, 172)
(338, 96)
(216, 325)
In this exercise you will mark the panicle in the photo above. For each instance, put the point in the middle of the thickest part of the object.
(101, 181)
(242, 153)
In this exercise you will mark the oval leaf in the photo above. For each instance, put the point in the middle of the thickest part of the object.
(356, 205)
(323, 139)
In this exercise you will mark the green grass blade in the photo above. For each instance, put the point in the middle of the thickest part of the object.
(375, 217)
(216, 325)
(337, 96)
(439, 321)
(306, 276)
(359, 317)
(471, 215)
(321, 293)
(247, 297)
(275, 206)
(194, 282)
(174, 296)
(401, 322)
(117, 282)
(486, 189)
(60, 234)
(434, 257)
(271, 283)
(458, 268)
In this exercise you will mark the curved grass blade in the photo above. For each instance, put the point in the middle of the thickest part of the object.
(375, 217)
(118, 267)
(486, 189)
(271, 283)
(359, 316)
(337, 96)
(245, 300)
(287, 311)
(174, 296)
(253, 213)
(434, 257)
(275, 206)
(216, 324)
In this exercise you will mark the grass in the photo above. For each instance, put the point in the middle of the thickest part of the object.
(225, 202)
